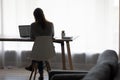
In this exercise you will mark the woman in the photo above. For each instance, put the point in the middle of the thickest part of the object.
(41, 27)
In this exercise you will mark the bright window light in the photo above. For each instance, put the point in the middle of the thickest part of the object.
(96, 22)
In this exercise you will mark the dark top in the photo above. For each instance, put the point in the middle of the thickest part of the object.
(37, 30)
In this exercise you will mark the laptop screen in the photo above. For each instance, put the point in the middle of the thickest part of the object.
(24, 30)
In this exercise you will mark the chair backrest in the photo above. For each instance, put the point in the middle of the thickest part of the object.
(43, 48)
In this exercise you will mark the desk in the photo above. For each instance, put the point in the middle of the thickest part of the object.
(61, 41)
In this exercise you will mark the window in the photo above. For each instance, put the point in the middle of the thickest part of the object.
(96, 22)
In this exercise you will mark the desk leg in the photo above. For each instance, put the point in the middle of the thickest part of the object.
(69, 55)
(63, 56)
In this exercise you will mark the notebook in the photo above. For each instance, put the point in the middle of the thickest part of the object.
(24, 30)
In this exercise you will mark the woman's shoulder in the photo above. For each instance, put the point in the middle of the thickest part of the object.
(33, 23)
(49, 24)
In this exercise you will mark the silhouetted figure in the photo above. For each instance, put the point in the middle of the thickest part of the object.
(41, 27)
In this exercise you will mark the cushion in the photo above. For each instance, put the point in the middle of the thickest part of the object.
(117, 77)
(109, 57)
(106, 67)
(67, 76)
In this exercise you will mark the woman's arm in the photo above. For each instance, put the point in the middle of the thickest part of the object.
(32, 32)
(52, 27)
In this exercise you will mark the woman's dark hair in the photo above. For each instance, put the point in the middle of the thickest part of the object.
(39, 16)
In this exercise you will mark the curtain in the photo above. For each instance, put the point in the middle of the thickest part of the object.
(93, 24)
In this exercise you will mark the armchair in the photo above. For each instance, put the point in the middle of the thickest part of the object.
(106, 68)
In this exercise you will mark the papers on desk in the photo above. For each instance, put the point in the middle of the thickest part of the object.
(67, 37)
(72, 38)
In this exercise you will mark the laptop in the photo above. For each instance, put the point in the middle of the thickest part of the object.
(24, 31)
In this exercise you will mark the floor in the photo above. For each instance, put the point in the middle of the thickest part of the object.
(17, 74)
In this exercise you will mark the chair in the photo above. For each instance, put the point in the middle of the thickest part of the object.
(42, 50)
(106, 68)
(47, 65)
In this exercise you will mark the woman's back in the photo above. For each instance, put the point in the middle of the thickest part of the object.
(38, 30)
